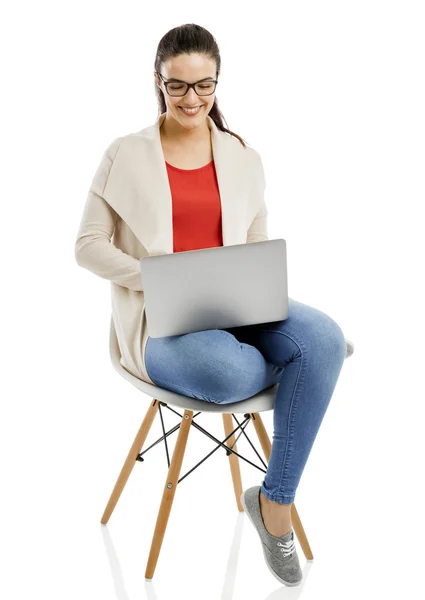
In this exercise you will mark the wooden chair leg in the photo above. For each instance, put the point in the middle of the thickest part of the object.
(168, 494)
(233, 459)
(127, 468)
(296, 521)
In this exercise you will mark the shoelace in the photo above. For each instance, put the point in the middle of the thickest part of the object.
(288, 547)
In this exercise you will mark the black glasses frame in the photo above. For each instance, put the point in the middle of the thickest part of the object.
(189, 85)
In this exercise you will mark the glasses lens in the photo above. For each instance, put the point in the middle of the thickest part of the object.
(202, 89)
(205, 88)
(177, 89)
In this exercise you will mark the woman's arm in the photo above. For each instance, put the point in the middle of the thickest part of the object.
(257, 231)
(93, 248)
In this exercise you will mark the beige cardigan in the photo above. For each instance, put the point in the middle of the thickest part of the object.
(128, 215)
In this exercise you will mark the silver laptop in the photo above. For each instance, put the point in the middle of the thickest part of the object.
(215, 288)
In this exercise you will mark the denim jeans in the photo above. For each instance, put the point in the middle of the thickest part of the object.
(304, 353)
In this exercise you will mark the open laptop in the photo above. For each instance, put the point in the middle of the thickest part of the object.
(215, 288)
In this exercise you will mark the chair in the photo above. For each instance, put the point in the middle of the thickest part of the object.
(251, 409)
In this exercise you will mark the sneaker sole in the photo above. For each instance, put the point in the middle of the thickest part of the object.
(289, 583)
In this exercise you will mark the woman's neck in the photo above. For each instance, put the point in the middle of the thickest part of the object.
(172, 132)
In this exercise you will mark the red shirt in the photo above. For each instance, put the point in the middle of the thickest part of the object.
(196, 208)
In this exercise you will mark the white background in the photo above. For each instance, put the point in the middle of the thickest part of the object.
(332, 96)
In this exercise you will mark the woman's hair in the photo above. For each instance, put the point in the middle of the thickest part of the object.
(188, 39)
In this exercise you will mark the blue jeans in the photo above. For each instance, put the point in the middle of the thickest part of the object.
(304, 353)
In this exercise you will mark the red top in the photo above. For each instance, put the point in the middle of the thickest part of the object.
(196, 208)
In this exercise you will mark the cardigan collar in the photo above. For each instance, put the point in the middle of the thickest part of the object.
(138, 187)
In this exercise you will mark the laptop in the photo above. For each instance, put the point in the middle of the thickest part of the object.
(215, 288)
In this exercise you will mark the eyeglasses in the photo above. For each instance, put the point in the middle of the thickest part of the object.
(180, 88)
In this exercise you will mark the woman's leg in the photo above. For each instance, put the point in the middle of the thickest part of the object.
(210, 365)
(304, 352)
(310, 347)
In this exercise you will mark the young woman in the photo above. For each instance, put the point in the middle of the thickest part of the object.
(186, 183)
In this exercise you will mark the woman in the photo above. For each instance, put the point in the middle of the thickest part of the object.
(146, 194)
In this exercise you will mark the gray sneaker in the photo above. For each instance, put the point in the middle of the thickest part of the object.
(280, 552)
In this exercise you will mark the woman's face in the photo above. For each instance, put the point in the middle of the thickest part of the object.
(190, 68)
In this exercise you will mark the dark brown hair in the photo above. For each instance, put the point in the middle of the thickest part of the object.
(188, 39)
